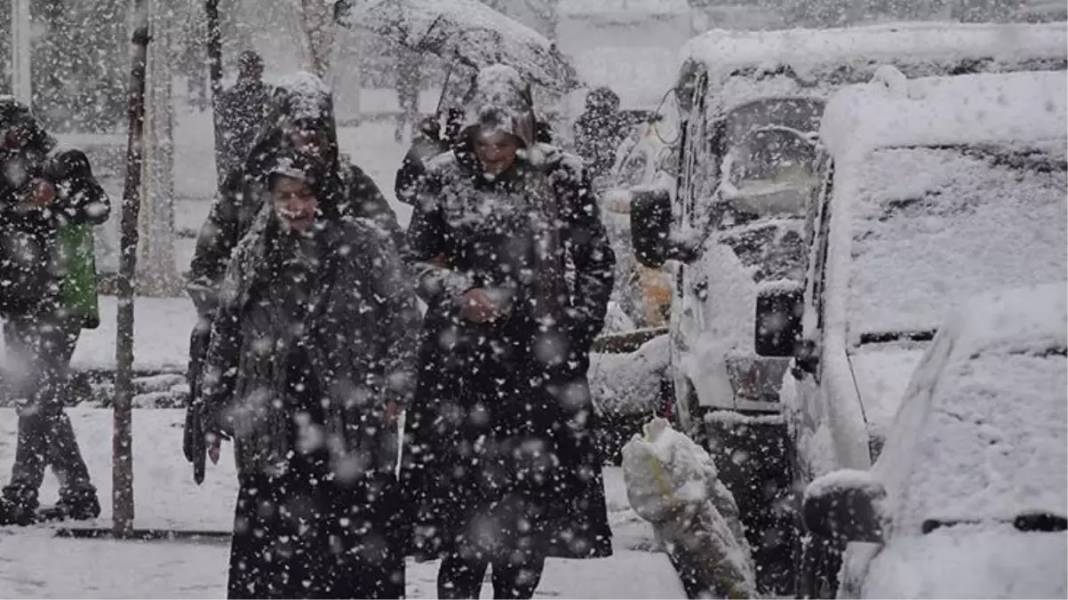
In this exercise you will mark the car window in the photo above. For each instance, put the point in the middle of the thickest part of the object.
(932, 226)
(800, 114)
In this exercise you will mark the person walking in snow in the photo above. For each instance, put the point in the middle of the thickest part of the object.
(599, 131)
(242, 110)
(47, 295)
(513, 263)
(427, 143)
(301, 121)
(311, 360)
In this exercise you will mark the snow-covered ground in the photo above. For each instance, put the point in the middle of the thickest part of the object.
(165, 496)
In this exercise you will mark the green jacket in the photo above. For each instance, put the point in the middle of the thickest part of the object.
(77, 291)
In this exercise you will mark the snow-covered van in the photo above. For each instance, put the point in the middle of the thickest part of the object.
(739, 227)
(937, 189)
(751, 104)
(969, 498)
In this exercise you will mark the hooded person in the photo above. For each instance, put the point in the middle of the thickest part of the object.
(301, 123)
(310, 362)
(242, 108)
(515, 267)
(49, 201)
(600, 130)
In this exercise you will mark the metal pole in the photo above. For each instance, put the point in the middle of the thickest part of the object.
(214, 42)
(20, 51)
(122, 442)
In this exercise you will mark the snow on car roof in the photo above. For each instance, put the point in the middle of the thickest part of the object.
(982, 433)
(633, 9)
(724, 51)
(965, 109)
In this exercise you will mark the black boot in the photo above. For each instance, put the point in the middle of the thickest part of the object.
(78, 506)
(13, 512)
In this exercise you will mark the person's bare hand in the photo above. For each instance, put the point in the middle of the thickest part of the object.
(393, 412)
(477, 307)
(42, 192)
(214, 447)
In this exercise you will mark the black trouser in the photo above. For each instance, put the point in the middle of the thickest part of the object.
(461, 577)
(299, 535)
(42, 345)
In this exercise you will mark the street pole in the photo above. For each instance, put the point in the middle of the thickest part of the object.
(214, 41)
(20, 51)
(122, 442)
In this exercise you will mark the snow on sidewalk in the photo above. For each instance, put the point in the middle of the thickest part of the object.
(165, 496)
(161, 336)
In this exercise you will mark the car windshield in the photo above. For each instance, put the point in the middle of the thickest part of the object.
(774, 169)
(800, 114)
(931, 226)
(770, 159)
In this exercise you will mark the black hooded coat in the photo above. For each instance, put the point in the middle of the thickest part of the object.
(500, 454)
(313, 341)
(303, 103)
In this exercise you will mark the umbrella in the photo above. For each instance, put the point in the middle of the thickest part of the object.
(469, 32)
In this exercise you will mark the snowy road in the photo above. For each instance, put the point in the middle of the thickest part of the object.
(165, 496)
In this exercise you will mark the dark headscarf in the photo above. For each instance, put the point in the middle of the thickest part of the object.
(303, 102)
(17, 120)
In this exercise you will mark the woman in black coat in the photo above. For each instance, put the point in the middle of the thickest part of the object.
(514, 264)
(310, 362)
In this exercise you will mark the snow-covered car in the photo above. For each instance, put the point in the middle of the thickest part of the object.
(938, 189)
(742, 222)
(968, 499)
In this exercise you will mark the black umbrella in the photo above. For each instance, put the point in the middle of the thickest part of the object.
(469, 32)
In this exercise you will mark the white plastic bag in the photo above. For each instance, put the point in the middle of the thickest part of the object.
(672, 482)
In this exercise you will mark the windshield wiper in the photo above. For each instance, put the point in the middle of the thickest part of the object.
(1036, 521)
(882, 337)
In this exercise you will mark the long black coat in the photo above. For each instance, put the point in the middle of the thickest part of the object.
(500, 454)
(358, 338)
(312, 340)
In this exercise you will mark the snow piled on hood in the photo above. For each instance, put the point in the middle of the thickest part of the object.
(964, 221)
(970, 561)
(983, 433)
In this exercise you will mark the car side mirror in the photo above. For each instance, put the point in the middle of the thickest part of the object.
(650, 226)
(845, 506)
(806, 359)
(778, 321)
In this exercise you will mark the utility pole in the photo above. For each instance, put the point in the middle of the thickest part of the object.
(214, 41)
(20, 51)
(122, 442)
(156, 272)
